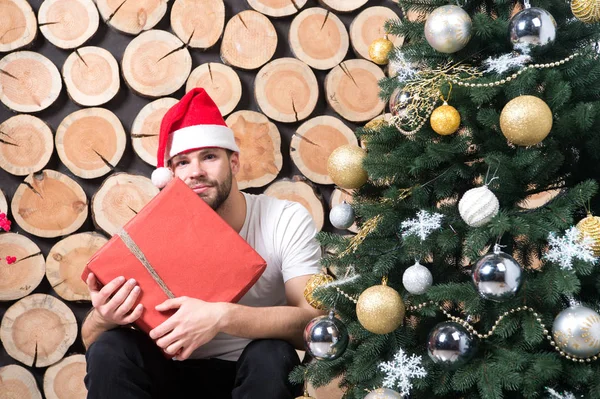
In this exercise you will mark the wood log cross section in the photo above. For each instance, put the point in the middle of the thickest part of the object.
(352, 90)
(66, 261)
(64, 380)
(90, 142)
(49, 204)
(18, 382)
(313, 143)
(132, 16)
(368, 26)
(200, 22)
(319, 38)
(146, 128)
(277, 8)
(68, 23)
(91, 75)
(156, 64)
(221, 82)
(286, 90)
(38, 330)
(249, 41)
(29, 82)
(26, 144)
(22, 277)
(18, 24)
(260, 148)
(119, 199)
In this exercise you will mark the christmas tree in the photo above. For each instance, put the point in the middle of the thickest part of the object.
(474, 272)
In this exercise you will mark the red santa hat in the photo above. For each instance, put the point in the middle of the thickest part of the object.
(194, 122)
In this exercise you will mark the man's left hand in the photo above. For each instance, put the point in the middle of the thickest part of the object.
(194, 324)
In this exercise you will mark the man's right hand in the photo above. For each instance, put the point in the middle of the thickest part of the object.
(113, 303)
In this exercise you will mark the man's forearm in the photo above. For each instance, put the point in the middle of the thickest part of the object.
(92, 328)
(277, 322)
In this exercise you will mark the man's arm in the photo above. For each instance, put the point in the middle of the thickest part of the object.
(277, 322)
(197, 322)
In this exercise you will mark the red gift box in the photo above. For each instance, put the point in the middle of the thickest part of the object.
(186, 247)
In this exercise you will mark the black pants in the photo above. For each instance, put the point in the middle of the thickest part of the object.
(125, 363)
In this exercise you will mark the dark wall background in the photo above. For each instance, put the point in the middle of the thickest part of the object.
(126, 106)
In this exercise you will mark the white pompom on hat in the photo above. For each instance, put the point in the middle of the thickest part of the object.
(194, 122)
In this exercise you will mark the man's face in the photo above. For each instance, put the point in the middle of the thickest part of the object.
(207, 171)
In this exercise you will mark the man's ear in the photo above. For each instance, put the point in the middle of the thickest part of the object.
(234, 162)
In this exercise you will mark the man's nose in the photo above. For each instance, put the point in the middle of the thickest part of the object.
(196, 169)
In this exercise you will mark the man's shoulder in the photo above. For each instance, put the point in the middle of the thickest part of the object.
(263, 203)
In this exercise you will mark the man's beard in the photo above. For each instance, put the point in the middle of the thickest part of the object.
(223, 191)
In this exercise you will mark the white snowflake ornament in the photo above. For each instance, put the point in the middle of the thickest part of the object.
(401, 370)
(423, 225)
(563, 250)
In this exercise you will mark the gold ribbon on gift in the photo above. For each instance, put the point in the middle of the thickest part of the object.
(137, 252)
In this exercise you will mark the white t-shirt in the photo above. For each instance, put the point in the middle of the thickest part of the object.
(283, 233)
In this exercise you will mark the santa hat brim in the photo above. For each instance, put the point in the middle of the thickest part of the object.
(200, 136)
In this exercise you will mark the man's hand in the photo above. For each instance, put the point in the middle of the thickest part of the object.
(194, 324)
(113, 303)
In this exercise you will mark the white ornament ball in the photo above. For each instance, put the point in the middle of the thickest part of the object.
(478, 206)
(576, 331)
(342, 216)
(417, 279)
(383, 393)
(448, 29)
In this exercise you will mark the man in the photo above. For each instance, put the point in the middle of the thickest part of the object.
(220, 350)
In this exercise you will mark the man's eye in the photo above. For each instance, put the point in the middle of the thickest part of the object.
(180, 163)
(209, 156)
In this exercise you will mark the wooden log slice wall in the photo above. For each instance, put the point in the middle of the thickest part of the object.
(273, 68)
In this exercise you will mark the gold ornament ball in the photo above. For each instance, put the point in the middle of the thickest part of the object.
(344, 166)
(590, 226)
(379, 50)
(526, 120)
(587, 11)
(445, 120)
(380, 309)
(316, 280)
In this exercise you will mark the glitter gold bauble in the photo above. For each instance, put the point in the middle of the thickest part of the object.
(587, 11)
(344, 166)
(316, 280)
(305, 396)
(379, 50)
(526, 120)
(380, 309)
(445, 119)
(590, 226)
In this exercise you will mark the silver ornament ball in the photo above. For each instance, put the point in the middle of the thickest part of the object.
(532, 27)
(342, 216)
(448, 29)
(478, 206)
(417, 279)
(383, 393)
(576, 330)
(326, 337)
(497, 276)
(450, 344)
